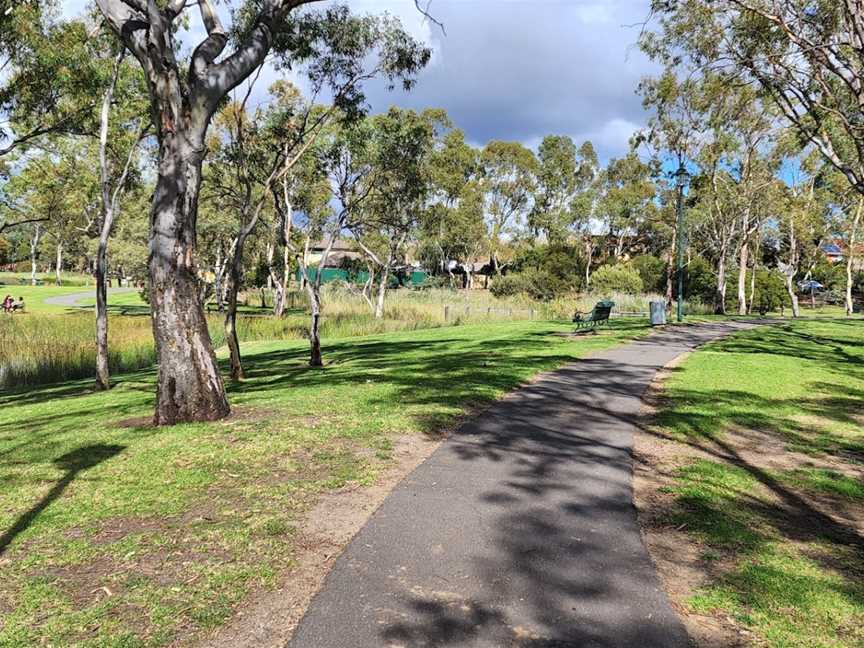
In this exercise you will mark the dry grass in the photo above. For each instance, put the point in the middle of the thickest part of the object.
(46, 348)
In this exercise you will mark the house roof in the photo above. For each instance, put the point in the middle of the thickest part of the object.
(340, 245)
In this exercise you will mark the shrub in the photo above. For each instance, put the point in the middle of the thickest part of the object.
(536, 284)
(652, 271)
(700, 281)
(508, 285)
(617, 278)
(770, 291)
(562, 266)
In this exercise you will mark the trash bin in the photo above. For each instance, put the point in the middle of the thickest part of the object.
(658, 313)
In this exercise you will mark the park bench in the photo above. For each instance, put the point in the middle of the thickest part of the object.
(597, 317)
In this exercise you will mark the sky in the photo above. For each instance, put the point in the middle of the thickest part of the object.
(521, 69)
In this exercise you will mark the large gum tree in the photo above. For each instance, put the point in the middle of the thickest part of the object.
(184, 94)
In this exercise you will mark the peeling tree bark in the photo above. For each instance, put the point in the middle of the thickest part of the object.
(182, 102)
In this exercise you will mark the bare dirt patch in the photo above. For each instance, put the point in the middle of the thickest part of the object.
(268, 618)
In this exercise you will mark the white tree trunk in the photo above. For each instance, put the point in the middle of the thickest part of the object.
(382, 291)
(850, 257)
(743, 259)
(34, 252)
(58, 266)
(720, 294)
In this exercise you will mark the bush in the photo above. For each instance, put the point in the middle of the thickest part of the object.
(508, 285)
(770, 291)
(561, 264)
(700, 282)
(536, 284)
(617, 278)
(652, 271)
(830, 275)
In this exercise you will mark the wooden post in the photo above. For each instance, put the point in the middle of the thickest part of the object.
(532, 313)
(489, 311)
(446, 313)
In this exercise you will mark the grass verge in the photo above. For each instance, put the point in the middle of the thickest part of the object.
(753, 495)
(115, 534)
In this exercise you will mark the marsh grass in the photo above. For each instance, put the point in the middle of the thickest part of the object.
(43, 348)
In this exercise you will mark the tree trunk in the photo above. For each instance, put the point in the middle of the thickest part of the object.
(218, 275)
(742, 277)
(34, 249)
(382, 290)
(102, 374)
(720, 293)
(789, 281)
(314, 291)
(235, 276)
(189, 386)
(850, 257)
(269, 252)
(753, 279)
(58, 268)
(589, 251)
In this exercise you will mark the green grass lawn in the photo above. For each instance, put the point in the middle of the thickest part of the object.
(115, 534)
(35, 296)
(770, 479)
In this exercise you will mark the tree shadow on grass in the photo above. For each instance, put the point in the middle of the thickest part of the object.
(750, 520)
(72, 463)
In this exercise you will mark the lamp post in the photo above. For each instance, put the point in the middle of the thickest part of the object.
(681, 177)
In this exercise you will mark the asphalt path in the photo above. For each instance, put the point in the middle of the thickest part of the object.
(520, 530)
(72, 299)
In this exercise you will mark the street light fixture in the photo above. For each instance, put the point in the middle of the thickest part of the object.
(681, 180)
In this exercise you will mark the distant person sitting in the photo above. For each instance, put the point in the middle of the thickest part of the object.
(7, 304)
(19, 305)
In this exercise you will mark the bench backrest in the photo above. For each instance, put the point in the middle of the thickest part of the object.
(602, 310)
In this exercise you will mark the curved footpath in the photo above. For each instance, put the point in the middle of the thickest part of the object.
(72, 299)
(520, 530)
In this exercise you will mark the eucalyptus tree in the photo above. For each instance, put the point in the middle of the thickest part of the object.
(509, 177)
(399, 187)
(805, 55)
(255, 151)
(184, 95)
(626, 201)
(584, 204)
(555, 187)
(122, 127)
(36, 100)
(451, 229)
(343, 172)
(800, 229)
(35, 200)
(845, 220)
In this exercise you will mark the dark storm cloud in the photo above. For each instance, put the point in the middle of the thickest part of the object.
(523, 69)
(518, 69)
